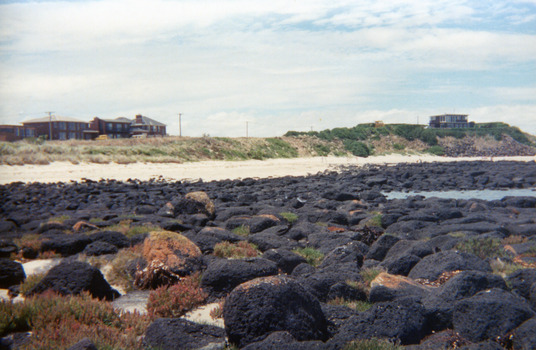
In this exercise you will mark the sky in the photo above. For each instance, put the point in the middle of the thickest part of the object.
(232, 67)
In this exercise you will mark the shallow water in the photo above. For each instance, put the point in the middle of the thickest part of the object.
(487, 195)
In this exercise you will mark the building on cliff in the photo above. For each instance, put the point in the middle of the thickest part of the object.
(452, 121)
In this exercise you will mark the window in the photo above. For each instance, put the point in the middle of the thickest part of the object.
(109, 126)
(71, 126)
(72, 135)
(62, 135)
(61, 126)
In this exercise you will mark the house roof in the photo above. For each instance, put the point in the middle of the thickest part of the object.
(147, 121)
(118, 120)
(54, 118)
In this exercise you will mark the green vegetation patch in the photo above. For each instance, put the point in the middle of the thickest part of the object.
(312, 256)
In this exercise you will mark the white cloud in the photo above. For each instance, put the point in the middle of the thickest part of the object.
(280, 64)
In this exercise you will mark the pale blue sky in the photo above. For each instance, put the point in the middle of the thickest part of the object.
(280, 65)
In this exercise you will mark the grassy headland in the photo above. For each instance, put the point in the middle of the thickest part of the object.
(362, 140)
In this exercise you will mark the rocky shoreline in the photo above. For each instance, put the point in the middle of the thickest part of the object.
(441, 279)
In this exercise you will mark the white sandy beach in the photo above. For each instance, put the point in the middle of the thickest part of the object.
(207, 170)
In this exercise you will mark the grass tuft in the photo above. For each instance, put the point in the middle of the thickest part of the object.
(312, 256)
(238, 250)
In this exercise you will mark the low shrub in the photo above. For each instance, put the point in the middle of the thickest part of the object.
(312, 256)
(357, 148)
(242, 230)
(238, 250)
(176, 300)
(30, 282)
(369, 274)
(58, 322)
(483, 248)
(436, 150)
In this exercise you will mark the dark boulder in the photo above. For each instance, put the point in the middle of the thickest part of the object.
(112, 237)
(66, 245)
(490, 314)
(432, 266)
(485, 345)
(7, 248)
(402, 320)
(222, 275)
(11, 273)
(524, 336)
(521, 281)
(468, 283)
(100, 248)
(379, 249)
(401, 265)
(262, 222)
(283, 340)
(84, 344)
(181, 334)
(347, 254)
(344, 291)
(259, 307)
(286, 260)
(208, 237)
(266, 240)
(75, 277)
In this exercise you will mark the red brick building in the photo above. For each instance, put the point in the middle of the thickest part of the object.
(147, 127)
(60, 128)
(114, 128)
(15, 132)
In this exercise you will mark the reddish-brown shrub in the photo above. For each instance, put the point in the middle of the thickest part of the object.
(238, 250)
(58, 322)
(176, 300)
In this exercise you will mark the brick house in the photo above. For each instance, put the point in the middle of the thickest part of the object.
(60, 128)
(453, 121)
(15, 132)
(114, 128)
(147, 127)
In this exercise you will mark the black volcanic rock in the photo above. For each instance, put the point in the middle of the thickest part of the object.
(490, 314)
(259, 307)
(74, 277)
(11, 273)
(222, 275)
(179, 333)
(432, 266)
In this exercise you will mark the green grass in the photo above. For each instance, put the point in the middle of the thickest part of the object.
(312, 256)
(369, 274)
(483, 248)
(238, 250)
(290, 217)
(242, 230)
(357, 305)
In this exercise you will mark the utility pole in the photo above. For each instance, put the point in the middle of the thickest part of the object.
(246, 129)
(180, 127)
(49, 125)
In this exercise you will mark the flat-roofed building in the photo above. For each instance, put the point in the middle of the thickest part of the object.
(60, 128)
(453, 121)
(113, 128)
(15, 132)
